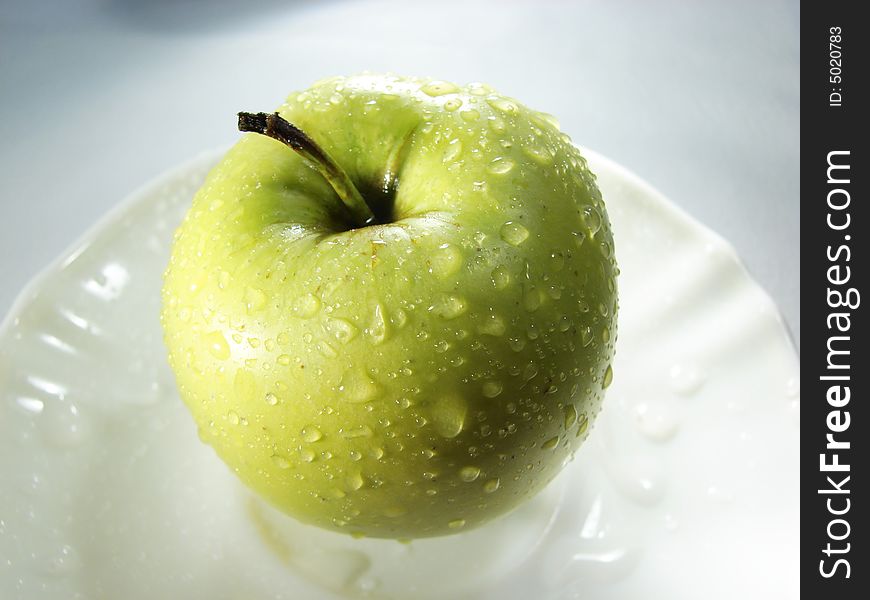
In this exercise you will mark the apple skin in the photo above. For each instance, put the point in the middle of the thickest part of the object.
(407, 379)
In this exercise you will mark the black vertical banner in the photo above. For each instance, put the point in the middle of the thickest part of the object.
(835, 364)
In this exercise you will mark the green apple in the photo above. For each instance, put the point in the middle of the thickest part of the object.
(397, 317)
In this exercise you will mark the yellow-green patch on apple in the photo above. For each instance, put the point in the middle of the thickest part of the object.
(403, 326)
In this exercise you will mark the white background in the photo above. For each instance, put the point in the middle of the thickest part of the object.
(699, 98)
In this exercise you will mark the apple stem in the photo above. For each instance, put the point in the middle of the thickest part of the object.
(279, 128)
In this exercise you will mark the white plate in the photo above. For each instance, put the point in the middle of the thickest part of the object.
(687, 487)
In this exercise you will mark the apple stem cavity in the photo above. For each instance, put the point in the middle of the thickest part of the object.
(276, 127)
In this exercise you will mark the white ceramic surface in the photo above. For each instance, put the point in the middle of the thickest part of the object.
(687, 487)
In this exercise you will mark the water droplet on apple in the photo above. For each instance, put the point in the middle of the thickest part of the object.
(233, 417)
(492, 325)
(538, 153)
(306, 306)
(456, 524)
(439, 88)
(501, 165)
(342, 330)
(449, 306)
(532, 297)
(530, 371)
(445, 261)
(583, 424)
(255, 299)
(224, 280)
(284, 360)
(532, 331)
(357, 387)
(504, 105)
(516, 343)
(491, 389)
(550, 443)
(491, 485)
(280, 461)
(311, 434)
(608, 377)
(326, 349)
(452, 104)
(448, 415)
(307, 454)
(497, 125)
(454, 149)
(469, 115)
(217, 345)
(363, 431)
(476, 88)
(441, 346)
(570, 416)
(469, 474)
(377, 329)
(355, 480)
(271, 399)
(399, 318)
(501, 277)
(592, 219)
(514, 233)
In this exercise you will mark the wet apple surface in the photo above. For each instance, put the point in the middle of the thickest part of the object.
(416, 365)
